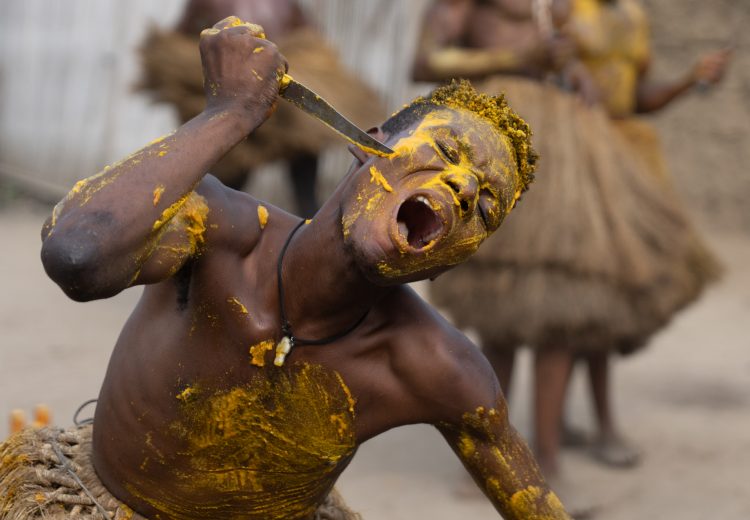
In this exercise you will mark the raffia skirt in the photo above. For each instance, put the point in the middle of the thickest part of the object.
(37, 482)
(172, 73)
(599, 253)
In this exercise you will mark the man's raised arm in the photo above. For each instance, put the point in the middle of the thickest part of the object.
(107, 230)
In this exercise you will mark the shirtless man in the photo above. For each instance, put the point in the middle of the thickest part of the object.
(205, 412)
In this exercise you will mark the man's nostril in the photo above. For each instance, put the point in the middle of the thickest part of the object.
(454, 186)
(464, 206)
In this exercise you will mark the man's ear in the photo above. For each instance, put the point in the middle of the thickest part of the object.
(360, 154)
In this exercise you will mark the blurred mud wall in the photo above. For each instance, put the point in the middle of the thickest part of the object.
(707, 136)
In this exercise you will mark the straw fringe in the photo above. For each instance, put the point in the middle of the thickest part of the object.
(598, 255)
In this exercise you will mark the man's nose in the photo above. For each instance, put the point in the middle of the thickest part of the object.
(465, 186)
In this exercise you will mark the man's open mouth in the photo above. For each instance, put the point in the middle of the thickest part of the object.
(418, 224)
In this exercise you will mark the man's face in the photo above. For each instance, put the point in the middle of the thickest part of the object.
(427, 207)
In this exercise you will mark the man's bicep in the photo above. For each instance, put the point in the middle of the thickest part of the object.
(180, 234)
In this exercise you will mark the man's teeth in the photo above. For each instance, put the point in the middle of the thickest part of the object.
(403, 229)
(423, 200)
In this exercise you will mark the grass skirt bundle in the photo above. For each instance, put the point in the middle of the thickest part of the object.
(172, 73)
(36, 484)
(599, 253)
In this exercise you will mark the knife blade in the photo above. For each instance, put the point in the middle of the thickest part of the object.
(307, 100)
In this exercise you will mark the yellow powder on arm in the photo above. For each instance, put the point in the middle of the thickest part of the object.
(158, 192)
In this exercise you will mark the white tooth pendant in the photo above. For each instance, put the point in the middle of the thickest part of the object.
(282, 350)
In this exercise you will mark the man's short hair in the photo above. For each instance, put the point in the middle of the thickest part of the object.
(462, 95)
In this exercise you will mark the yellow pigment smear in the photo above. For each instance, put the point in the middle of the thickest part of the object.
(376, 176)
(462, 95)
(170, 212)
(238, 304)
(262, 216)
(258, 352)
(510, 475)
(258, 50)
(185, 394)
(158, 192)
(284, 82)
(269, 449)
(193, 215)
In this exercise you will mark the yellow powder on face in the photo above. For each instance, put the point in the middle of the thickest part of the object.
(275, 445)
(258, 352)
(257, 76)
(262, 216)
(377, 177)
(158, 192)
(307, 221)
(258, 50)
(237, 304)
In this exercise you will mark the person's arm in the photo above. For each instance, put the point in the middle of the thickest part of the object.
(441, 57)
(501, 464)
(708, 71)
(139, 220)
(471, 413)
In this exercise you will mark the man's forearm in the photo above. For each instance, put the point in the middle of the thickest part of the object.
(503, 466)
(652, 97)
(111, 218)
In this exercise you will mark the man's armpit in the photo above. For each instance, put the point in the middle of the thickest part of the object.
(177, 239)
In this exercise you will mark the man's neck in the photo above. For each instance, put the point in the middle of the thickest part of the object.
(324, 291)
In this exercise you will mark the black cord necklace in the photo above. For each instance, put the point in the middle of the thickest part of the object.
(289, 341)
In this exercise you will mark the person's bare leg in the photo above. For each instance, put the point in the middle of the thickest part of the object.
(609, 447)
(303, 170)
(502, 361)
(573, 436)
(552, 367)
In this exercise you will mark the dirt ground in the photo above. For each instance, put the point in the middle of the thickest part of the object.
(685, 401)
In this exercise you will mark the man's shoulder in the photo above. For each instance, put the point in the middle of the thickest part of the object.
(436, 361)
(235, 219)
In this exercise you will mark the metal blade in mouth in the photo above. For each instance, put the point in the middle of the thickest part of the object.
(304, 98)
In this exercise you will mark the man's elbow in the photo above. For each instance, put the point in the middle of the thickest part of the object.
(74, 265)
